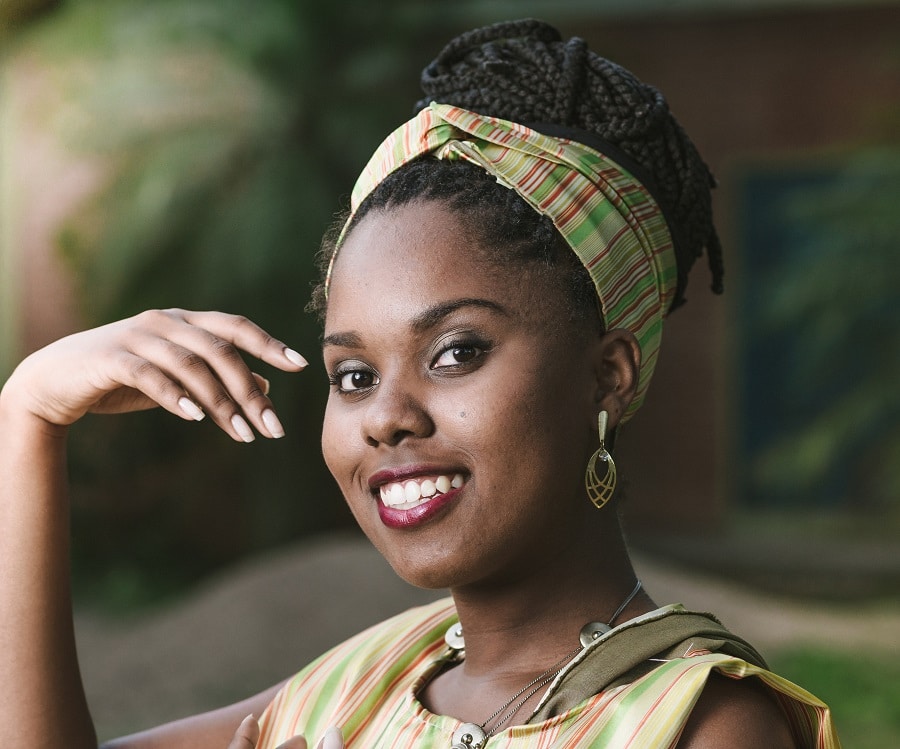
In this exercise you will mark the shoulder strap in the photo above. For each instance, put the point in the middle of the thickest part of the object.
(635, 648)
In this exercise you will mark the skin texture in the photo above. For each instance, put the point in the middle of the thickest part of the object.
(736, 714)
(514, 412)
(464, 373)
(156, 358)
(443, 362)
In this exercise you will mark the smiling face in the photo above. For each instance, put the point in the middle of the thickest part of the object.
(463, 401)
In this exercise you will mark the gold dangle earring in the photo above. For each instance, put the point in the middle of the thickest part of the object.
(601, 489)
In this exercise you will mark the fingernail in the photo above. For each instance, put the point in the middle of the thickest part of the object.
(295, 358)
(190, 408)
(272, 423)
(242, 428)
(333, 739)
(267, 386)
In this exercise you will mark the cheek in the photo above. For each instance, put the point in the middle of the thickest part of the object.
(538, 420)
(336, 448)
(516, 423)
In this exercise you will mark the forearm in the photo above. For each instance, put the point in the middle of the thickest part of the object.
(186, 362)
(44, 703)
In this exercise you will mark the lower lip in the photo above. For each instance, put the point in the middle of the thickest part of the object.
(394, 517)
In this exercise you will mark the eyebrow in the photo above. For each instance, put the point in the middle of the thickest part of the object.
(344, 340)
(433, 315)
(422, 322)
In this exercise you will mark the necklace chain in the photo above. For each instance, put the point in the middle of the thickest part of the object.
(509, 708)
(537, 682)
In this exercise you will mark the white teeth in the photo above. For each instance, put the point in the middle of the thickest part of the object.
(412, 492)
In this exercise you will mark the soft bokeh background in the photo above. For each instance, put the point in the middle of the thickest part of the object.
(192, 152)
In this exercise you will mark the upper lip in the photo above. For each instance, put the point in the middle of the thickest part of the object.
(403, 473)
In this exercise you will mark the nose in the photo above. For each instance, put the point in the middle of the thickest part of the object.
(393, 414)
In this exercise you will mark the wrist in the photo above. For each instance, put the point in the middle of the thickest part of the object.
(19, 422)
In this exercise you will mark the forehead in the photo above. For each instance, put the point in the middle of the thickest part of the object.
(421, 253)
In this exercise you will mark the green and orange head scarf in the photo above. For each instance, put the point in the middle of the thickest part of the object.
(606, 215)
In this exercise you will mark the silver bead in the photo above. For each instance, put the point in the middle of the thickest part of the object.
(591, 631)
(454, 637)
(468, 736)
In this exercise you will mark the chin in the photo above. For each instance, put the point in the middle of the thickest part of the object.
(426, 569)
(426, 576)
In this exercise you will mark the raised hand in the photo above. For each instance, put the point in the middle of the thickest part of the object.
(187, 362)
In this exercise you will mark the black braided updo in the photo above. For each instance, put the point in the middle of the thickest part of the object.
(523, 71)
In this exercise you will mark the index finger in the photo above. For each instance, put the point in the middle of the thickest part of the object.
(246, 335)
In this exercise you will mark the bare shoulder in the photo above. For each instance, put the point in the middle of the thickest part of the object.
(740, 714)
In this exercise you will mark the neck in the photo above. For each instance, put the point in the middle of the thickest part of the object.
(523, 626)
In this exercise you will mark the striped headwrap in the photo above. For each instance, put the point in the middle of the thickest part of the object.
(606, 215)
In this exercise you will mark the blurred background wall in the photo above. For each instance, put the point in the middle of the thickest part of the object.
(192, 152)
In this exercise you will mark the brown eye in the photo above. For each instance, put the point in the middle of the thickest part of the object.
(456, 355)
(358, 379)
(464, 353)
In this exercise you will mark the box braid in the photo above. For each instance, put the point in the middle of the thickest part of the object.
(523, 71)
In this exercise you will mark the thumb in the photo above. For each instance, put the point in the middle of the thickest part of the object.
(247, 734)
(333, 739)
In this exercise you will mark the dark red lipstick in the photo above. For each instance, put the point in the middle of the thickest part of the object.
(395, 517)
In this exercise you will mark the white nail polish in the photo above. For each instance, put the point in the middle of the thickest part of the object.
(190, 408)
(272, 423)
(333, 739)
(295, 358)
(242, 428)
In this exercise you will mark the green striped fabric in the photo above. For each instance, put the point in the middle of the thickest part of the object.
(368, 686)
(606, 215)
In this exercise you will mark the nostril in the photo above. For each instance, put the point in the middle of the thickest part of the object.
(392, 417)
(388, 437)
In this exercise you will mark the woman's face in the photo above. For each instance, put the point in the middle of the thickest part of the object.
(462, 402)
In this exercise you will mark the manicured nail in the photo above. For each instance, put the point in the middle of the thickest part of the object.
(295, 358)
(267, 386)
(242, 428)
(333, 739)
(190, 409)
(272, 423)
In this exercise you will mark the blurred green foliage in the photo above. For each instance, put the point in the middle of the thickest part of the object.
(15, 12)
(228, 131)
(836, 294)
(862, 690)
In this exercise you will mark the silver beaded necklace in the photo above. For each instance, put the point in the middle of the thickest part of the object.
(475, 735)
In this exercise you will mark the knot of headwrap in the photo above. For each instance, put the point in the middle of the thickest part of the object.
(605, 214)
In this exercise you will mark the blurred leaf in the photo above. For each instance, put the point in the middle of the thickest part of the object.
(228, 132)
(836, 296)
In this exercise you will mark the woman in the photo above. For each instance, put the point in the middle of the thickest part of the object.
(477, 365)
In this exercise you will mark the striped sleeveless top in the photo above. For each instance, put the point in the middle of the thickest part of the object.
(367, 686)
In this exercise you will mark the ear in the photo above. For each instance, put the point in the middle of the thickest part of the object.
(616, 367)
